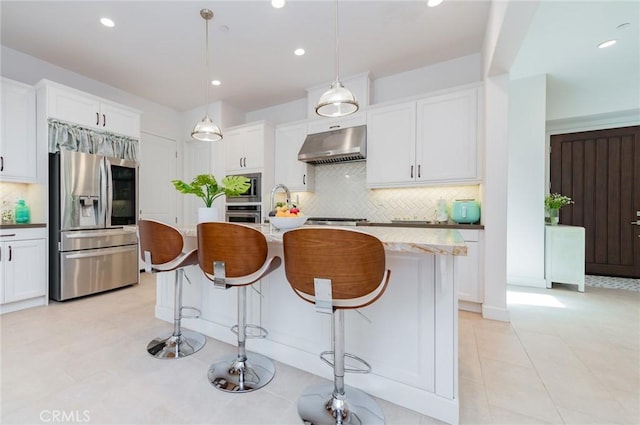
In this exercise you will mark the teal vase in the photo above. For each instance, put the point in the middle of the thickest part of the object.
(22, 214)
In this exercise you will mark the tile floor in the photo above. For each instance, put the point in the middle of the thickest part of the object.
(566, 357)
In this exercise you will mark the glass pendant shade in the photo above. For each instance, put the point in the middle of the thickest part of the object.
(336, 102)
(206, 131)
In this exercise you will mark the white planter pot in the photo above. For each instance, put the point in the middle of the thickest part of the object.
(209, 214)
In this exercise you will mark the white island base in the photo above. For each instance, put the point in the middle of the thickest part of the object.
(410, 338)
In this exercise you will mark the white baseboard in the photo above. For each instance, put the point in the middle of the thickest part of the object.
(495, 313)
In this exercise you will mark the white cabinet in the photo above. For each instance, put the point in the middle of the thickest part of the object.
(298, 176)
(329, 124)
(18, 128)
(564, 255)
(446, 147)
(468, 270)
(424, 142)
(245, 147)
(74, 106)
(391, 145)
(23, 267)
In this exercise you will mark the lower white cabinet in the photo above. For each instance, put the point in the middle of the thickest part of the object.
(23, 268)
(468, 271)
(564, 255)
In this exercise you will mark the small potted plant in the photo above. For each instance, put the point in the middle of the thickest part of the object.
(552, 204)
(207, 188)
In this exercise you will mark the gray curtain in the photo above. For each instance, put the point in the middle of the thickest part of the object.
(73, 137)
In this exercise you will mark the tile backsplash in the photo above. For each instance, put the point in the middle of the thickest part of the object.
(341, 192)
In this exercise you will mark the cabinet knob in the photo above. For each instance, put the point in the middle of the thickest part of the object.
(97, 118)
(419, 173)
(104, 120)
(1, 163)
(10, 252)
(412, 171)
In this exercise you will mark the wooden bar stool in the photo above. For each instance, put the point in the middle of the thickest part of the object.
(235, 255)
(161, 247)
(336, 269)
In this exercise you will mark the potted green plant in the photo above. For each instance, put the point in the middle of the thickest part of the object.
(552, 204)
(207, 188)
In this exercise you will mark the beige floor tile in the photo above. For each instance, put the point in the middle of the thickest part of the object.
(573, 363)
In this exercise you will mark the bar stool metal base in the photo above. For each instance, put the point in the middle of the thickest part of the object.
(175, 347)
(316, 403)
(233, 375)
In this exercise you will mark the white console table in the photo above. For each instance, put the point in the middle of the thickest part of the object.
(564, 255)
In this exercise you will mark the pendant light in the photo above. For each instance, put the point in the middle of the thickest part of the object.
(338, 101)
(206, 130)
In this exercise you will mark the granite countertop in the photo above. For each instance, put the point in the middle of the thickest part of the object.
(22, 226)
(443, 241)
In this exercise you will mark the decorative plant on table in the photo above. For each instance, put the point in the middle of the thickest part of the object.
(207, 188)
(552, 204)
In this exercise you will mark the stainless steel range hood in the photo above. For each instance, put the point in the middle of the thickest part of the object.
(346, 144)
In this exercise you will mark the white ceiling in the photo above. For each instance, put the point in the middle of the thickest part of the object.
(156, 50)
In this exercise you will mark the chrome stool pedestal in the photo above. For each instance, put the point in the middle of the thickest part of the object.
(243, 372)
(329, 404)
(180, 343)
(318, 406)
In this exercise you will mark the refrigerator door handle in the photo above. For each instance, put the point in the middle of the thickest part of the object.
(107, 190)
(87, 235)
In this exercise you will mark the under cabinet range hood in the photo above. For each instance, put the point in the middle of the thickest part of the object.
(342, 145)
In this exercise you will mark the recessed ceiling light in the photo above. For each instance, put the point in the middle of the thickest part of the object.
(434, 3)
(606, 44)
(215, 82)
(107, 22)
(278, 3)
(299, 52)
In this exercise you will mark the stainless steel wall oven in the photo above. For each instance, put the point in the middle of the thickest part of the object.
(247, 213)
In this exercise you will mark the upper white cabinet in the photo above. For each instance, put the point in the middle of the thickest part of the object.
(246, 147)
(329, 124)
(18, 128)
(447, 137)
(428, 141)
(23, 268)
(391, 145)
(298, 176)
(74, 106)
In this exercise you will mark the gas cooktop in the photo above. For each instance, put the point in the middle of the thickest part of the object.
(336, 221)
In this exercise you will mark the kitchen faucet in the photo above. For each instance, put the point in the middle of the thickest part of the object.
(273, 194)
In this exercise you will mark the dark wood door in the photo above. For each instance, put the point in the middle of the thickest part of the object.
(600, 171)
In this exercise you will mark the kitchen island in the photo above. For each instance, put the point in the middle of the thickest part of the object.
(409, 336)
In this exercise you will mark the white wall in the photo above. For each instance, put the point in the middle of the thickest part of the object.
(441, 76)
(156, 119)
(526, 176)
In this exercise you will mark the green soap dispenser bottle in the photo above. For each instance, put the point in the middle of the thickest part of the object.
(22, 215)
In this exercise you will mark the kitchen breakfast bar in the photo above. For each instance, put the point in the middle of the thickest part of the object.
(409, 336)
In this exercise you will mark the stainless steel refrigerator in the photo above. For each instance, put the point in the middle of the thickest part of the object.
(93, 203)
